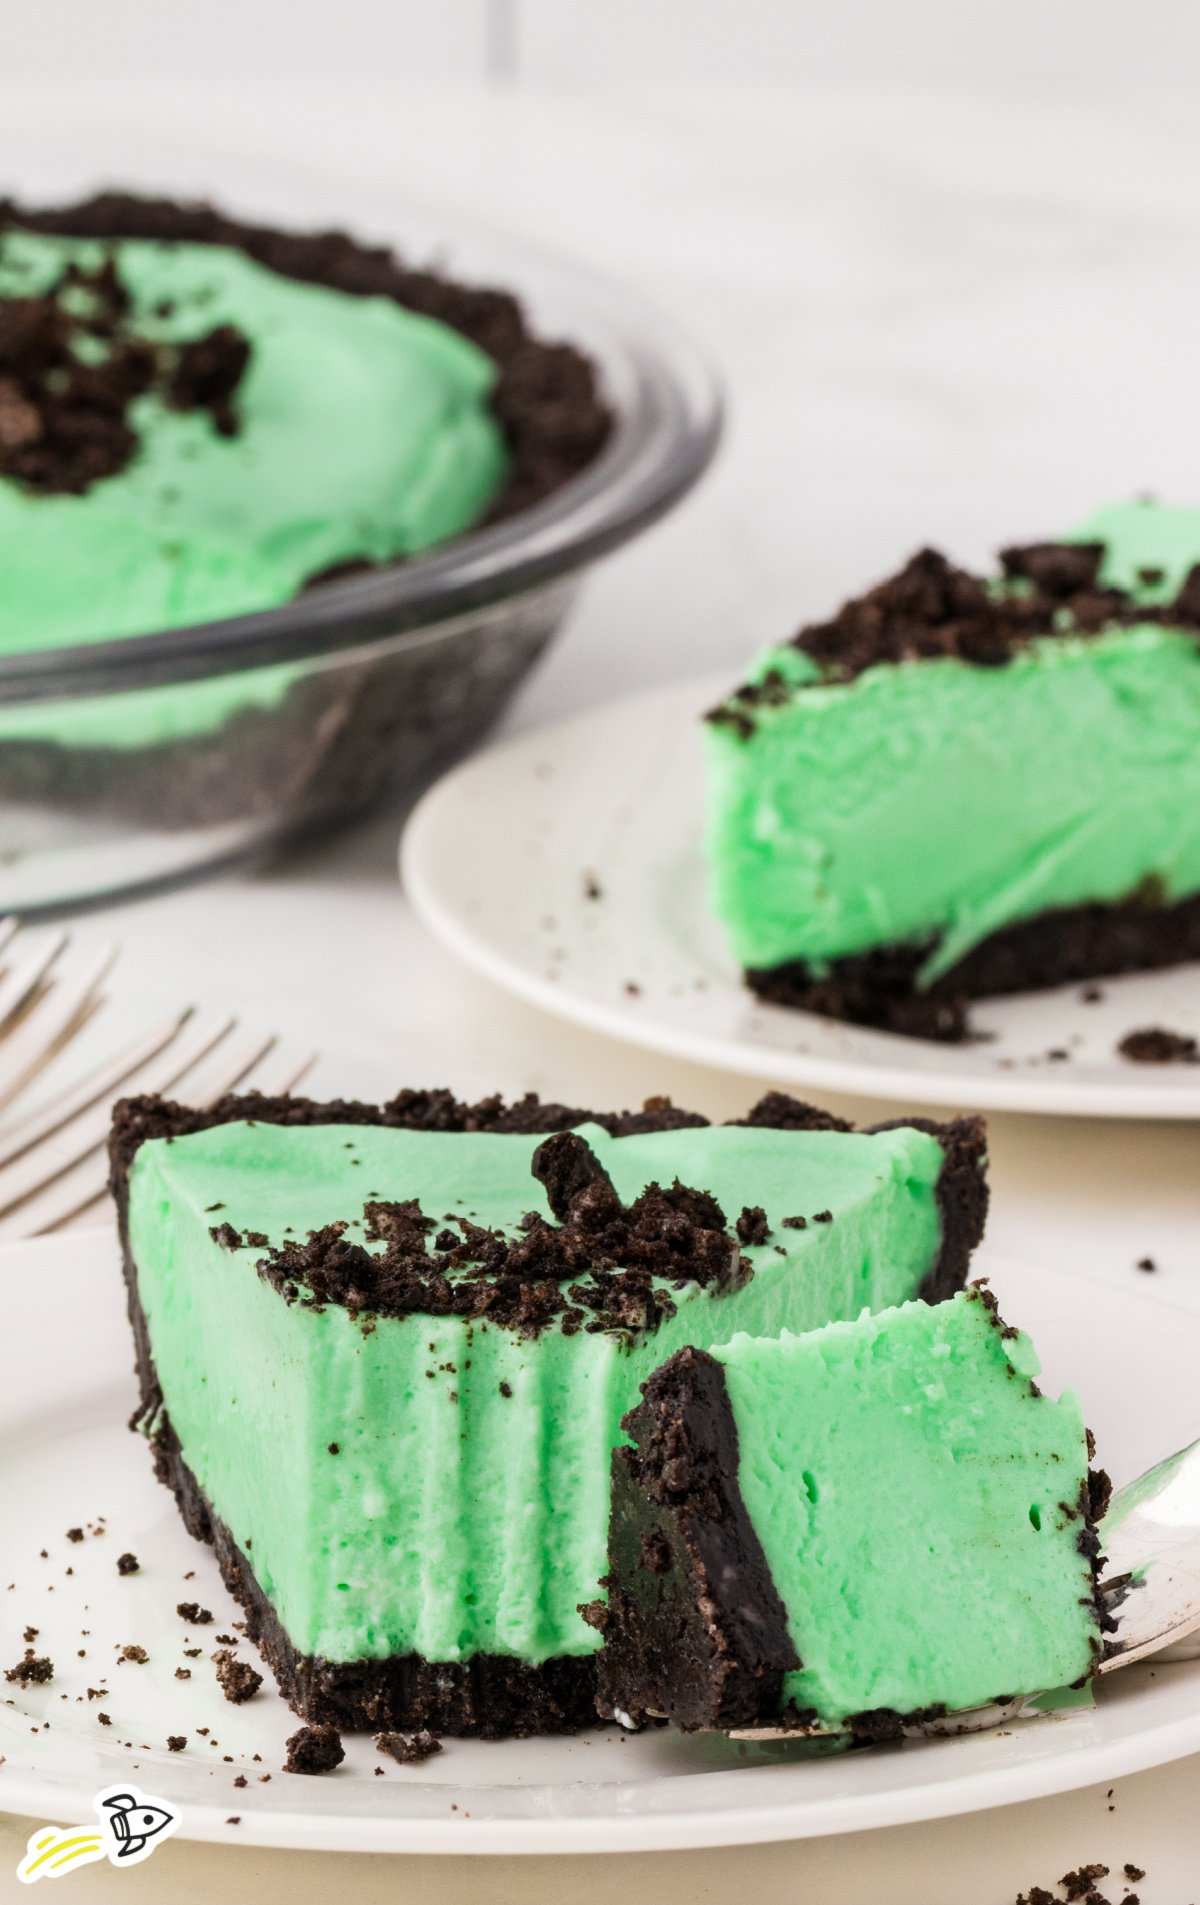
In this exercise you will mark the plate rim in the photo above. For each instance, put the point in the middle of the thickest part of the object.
(1049, 1094)
(764, 1821)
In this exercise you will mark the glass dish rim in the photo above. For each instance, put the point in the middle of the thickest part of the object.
(669, 422)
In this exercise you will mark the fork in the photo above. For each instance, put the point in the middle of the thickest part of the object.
(53, 1165)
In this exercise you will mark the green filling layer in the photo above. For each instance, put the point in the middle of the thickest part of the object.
(366, 431)
(455, 1518)
(936, 802)
(918, 1505)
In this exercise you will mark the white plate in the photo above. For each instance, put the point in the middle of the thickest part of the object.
(497, 861)
(66, 1459)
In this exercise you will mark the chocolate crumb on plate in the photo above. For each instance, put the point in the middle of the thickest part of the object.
(128, 1564)
(32, 1671)
(314, 1749)
(193, 1613)
(74, 1534)
(133, 1652)
(1133, 1873)
(176, 1742)
(408, 1749)
(1147, 1264)
(1081, 1883)
(237, 1679)
(1156, 1045)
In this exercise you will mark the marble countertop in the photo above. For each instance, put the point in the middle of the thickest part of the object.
(941, 318)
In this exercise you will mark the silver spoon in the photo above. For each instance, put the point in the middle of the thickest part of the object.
(1151, 1586)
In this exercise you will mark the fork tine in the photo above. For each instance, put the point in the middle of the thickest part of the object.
(227, 1068)
(75, 1195)
(45, 1163)
(102, 1083)
(57, 1017)
(282, 1070)
(19, 985)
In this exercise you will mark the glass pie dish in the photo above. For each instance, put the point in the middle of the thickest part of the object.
(153, 757)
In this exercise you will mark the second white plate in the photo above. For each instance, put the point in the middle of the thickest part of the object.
(566, 867)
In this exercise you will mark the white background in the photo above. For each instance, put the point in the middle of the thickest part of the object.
(1042, 44)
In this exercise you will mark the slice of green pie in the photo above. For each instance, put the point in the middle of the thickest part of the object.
(385, 1352)
(963, 786)
(862, 1528)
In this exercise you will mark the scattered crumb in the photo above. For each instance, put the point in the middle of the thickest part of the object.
(226, 1640)
(33, 1671)
(30, 1635)
(176, 1742)
(1081, 1883)
(128, 1564)
(752, 1225)
(134, 1653)
(314, 1749)
(632, 988)
(237, 1679)
(1092, 995)
(1155, 1045)
(235, 1821)
(1147, 1264)
(592, 889)
(194, 1614)
(1134, 1873)
(192, 1653)
(103, 1719)
(241, 1780)
(183, 1673)
(74, 1534)
(408, 1749)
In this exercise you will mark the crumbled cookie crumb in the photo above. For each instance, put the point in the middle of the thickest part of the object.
(237, 1679)
(128, 1564)
(408, 1749)
(314, 1749)
(1155, 1045)
(194, 1614)
(34, 1670)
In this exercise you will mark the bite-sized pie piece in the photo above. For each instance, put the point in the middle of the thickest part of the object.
(963, 786)
(861, 1528)
(384, 1352)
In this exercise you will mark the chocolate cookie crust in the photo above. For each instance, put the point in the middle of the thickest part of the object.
(694, 1629)
(1061, 947)
(546, 398)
